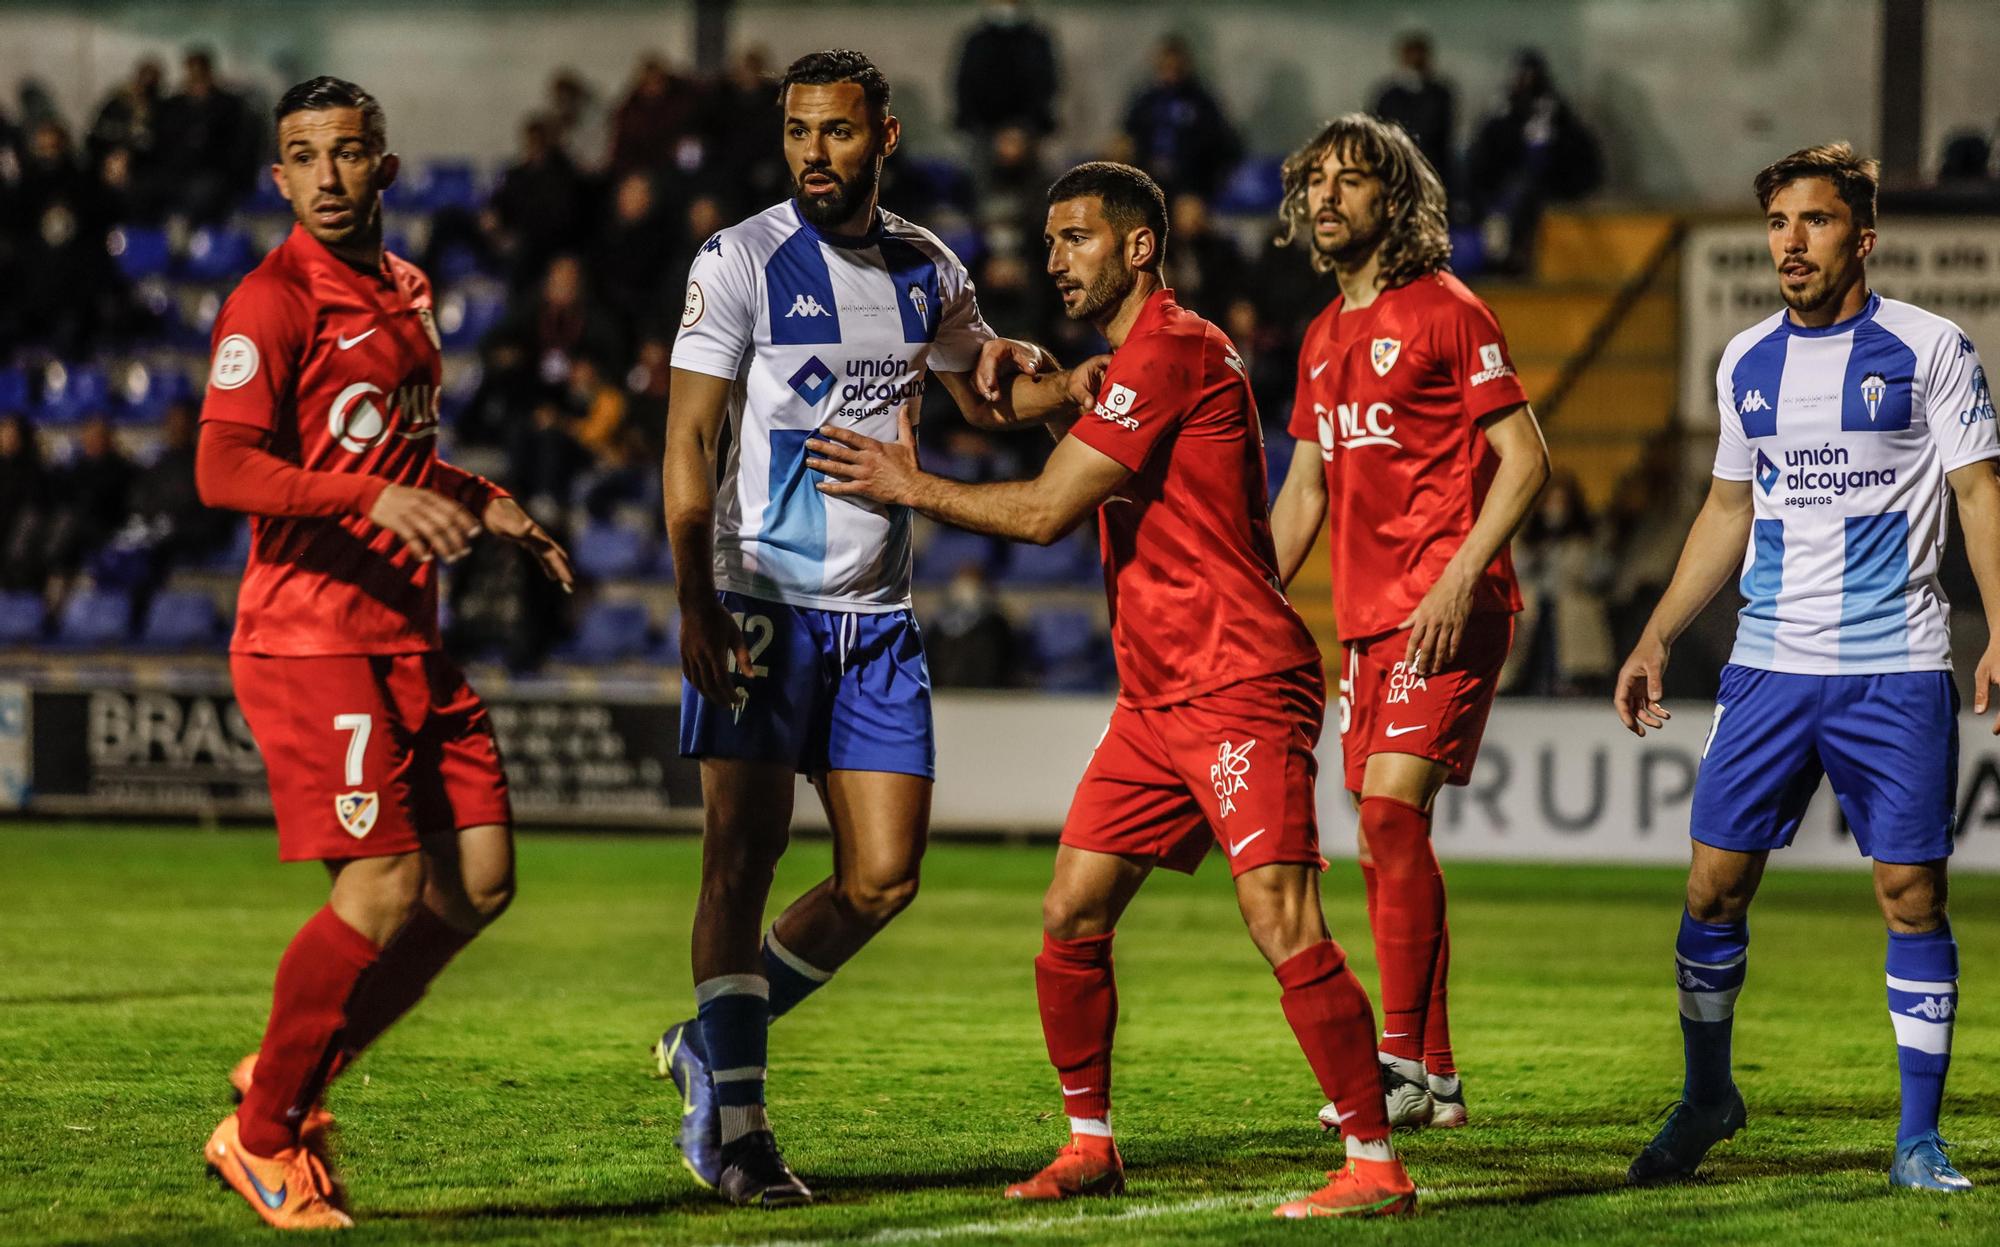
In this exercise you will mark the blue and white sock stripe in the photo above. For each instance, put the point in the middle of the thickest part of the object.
(1708, 991)
(731, 985)
(1922, 1011)
(792, 961)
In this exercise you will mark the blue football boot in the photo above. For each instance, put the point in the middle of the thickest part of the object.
(1690, 1131)
(1921, 1166)
(681, 1057)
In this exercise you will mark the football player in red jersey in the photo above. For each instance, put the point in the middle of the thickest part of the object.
(1415, 433)
(1221, 695)
(321, 422)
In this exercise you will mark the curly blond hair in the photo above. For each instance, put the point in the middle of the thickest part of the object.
(1419, 240)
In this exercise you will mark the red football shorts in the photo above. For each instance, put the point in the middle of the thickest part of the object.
(1387, 708)
(1233, 767)
(366, 753)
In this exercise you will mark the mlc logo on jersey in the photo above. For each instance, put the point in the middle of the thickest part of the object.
(1370, 428)
(813, 381)
(357, 422)
(356, 812)
(1382, 353)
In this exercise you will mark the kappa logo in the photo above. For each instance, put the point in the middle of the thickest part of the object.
(806, 305)
(356, 812)
(1230, 774)
(1383, 353)
(713, 244)
(1874, 387)
(1753, 401)
(1933, 1008)
(1493, 364)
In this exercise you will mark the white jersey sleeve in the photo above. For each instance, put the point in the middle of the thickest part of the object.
(961, 329)
(1959, 404)
(1732, 449)
(719, 315)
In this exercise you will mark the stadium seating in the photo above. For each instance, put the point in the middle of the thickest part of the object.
(1255, 188)
(219, 253)
(1067, 649)
(22, 619)
(1073, 560)
(469, 313)
(14, 389)
(144, 392)
(950, 549)
(610, 632)
(181, 619)
(611, 552)
(95, 619)
(438, 185)
(72, 392)
(141, 251)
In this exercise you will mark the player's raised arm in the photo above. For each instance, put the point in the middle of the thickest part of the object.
(1299, 509)
(1075, 481)
(710, 640)
(1713, 552)
(1015, 385)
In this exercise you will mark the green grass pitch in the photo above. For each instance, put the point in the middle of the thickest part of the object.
(516, 1104)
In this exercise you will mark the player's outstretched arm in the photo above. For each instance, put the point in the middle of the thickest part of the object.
(1075, 481)
(711, 643)
(1713, 552)
(1439, 620)
(1299, 509)
(234, 472)
(1978, 493)
(1015, 385)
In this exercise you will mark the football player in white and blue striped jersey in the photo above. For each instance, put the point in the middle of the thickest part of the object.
(1846, 419)
(798, 646)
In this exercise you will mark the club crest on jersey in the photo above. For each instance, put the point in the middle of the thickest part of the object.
(356, 812)
(1230, 774)
(1874, 387)
(1382, 353)
(920, 301)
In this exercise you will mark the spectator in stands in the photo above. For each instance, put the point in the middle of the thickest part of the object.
(1967, 161)
(164, 498)
(124, 143)
(656, 125)
(700, 220)
(1532, 151)
(507, 391)
(1006, 76)
(646, 389)
(215, 151)
(88, 502)
(1177, 130)
(744, 163)
(1565, 648)
(1416, 99)
(24, 493)
(1272, 358)
(545, 460)
(563, 323)
(539, 208)
(1207, 267)
(631, 254)
(582, 126)
(968, 642)
(67, 286)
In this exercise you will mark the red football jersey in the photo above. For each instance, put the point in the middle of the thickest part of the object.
(340, 368)
(1392, 394)
(1188, 562)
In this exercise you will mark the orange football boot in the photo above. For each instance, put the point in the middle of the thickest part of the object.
(1076, 1170)
(291, 1191)
(1365, 1188)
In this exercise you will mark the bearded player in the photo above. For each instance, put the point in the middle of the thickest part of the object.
(1414, 432)
(800, 651)
(321, 423)
(1221, 695)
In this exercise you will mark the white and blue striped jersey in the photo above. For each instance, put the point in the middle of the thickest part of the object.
(814, 329)
(1847, 433)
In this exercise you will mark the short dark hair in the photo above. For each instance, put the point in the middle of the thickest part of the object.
(316, 94)
(818, 69)
(1854, 179)
(1130, 198)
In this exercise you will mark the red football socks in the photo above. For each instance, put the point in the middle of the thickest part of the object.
(1079, 1003)
(1409, 918)
(316, 977)
(413, 957)
(1330, 1014)
(1437, 1020)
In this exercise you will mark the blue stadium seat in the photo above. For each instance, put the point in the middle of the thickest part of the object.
(666, 650)
(937, 180)
(181, 619)
(14, 389)
(610, 632)
(235, 555)
(146, 391)
(440, 184)
(71, 392)
(1254, 188)
(95, 619)
(1068, 650)
(663, 563)
(455, 263)
(1073, 560)
(264, 196)
(21, 618)
(1468, 252)
(467, 315)
(219, 253)
(950, 549)
(141, 251)
(609, 552)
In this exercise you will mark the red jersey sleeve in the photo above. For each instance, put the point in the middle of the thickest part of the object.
(1473, 348)
(260, 340)
(469, 489)
(1145, 396)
